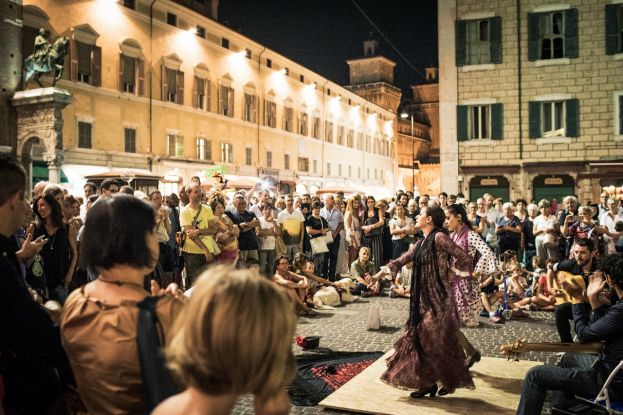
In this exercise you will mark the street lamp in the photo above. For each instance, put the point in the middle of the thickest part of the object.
(407, 112)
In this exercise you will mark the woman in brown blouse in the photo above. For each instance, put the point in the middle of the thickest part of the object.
(98, 325)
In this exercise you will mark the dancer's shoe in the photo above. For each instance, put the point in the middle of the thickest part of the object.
(446, 391)
(420, 393)
(473, 359)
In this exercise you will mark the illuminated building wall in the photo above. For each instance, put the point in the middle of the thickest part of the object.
(179, 94)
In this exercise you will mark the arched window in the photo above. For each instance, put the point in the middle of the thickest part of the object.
(131, 68)
(226, 96)
(85, 56)
(172, 79)
(201, 88)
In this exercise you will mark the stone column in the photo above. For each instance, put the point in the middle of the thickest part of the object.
(40, 119)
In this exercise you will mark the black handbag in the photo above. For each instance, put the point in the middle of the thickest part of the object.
(158, 382)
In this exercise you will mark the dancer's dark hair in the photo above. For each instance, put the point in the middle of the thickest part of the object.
(457, 209)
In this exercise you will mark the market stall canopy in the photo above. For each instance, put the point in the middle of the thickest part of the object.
(139, 179)
(242, 182)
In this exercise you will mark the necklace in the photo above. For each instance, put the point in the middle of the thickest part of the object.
(52, 239)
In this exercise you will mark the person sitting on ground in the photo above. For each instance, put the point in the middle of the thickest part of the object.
(317, 284)
(490, 294)
(99, 320)
(401, 286)
(582, 374)
(543, 298)
(298, 264)
(293, 284)
(362, 271)
(252, 356)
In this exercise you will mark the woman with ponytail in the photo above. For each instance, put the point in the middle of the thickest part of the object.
(465, 289)
(429, 352)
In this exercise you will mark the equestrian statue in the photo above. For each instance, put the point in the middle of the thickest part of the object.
(46, 58)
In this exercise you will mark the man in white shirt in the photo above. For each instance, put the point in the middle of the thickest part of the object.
(257, 208)
(608, 220)
(336, 223)
(292, 225)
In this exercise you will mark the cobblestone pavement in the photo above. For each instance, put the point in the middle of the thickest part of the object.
(344, 329)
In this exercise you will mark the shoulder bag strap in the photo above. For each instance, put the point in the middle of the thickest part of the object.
(158, 383)
(194, 222)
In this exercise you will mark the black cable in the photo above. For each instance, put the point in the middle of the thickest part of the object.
(387, 39)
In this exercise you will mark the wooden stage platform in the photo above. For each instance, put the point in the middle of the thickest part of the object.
(498, 387)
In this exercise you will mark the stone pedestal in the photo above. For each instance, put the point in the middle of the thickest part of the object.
(40, 120)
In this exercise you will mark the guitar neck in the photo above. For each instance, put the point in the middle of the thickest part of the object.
(564, 347)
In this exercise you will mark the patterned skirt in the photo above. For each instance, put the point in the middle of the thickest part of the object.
(466, 300)
(440, 360)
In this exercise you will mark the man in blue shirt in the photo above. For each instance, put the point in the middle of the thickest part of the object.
(578, 373)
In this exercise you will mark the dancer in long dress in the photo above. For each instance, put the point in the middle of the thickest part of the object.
(429, 353)
(465, 290)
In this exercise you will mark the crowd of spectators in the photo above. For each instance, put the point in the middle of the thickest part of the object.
(92, 258)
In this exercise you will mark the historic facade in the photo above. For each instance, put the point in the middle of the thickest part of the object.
(372, 77)
(531, 97)
(160, 88)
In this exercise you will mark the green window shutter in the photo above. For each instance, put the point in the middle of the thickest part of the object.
(461, 122)
(612, 28)
(534, 37)
(497, 122)
(573, 118)
(620, 114)
(495, 39)
(534, 115)
(461, 42)
(571, 33)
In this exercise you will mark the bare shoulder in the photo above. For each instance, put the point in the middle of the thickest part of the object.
(176, 404)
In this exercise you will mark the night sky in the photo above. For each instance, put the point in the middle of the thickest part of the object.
(322, 34)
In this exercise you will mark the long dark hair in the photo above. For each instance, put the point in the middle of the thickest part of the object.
(457, 209)
(422, 292)
(56, 213)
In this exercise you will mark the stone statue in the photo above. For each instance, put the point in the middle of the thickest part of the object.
(46, 58)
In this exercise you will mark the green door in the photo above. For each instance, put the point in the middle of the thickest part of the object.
(497, 186)
(553, 192)
(552, 187)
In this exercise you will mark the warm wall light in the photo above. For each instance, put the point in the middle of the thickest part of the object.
(192, 30)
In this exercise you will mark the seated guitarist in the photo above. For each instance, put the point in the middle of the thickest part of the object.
(583, 263)
(580, 373)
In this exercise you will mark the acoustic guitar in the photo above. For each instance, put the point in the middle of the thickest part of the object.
(562, 296)
(514, 350)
